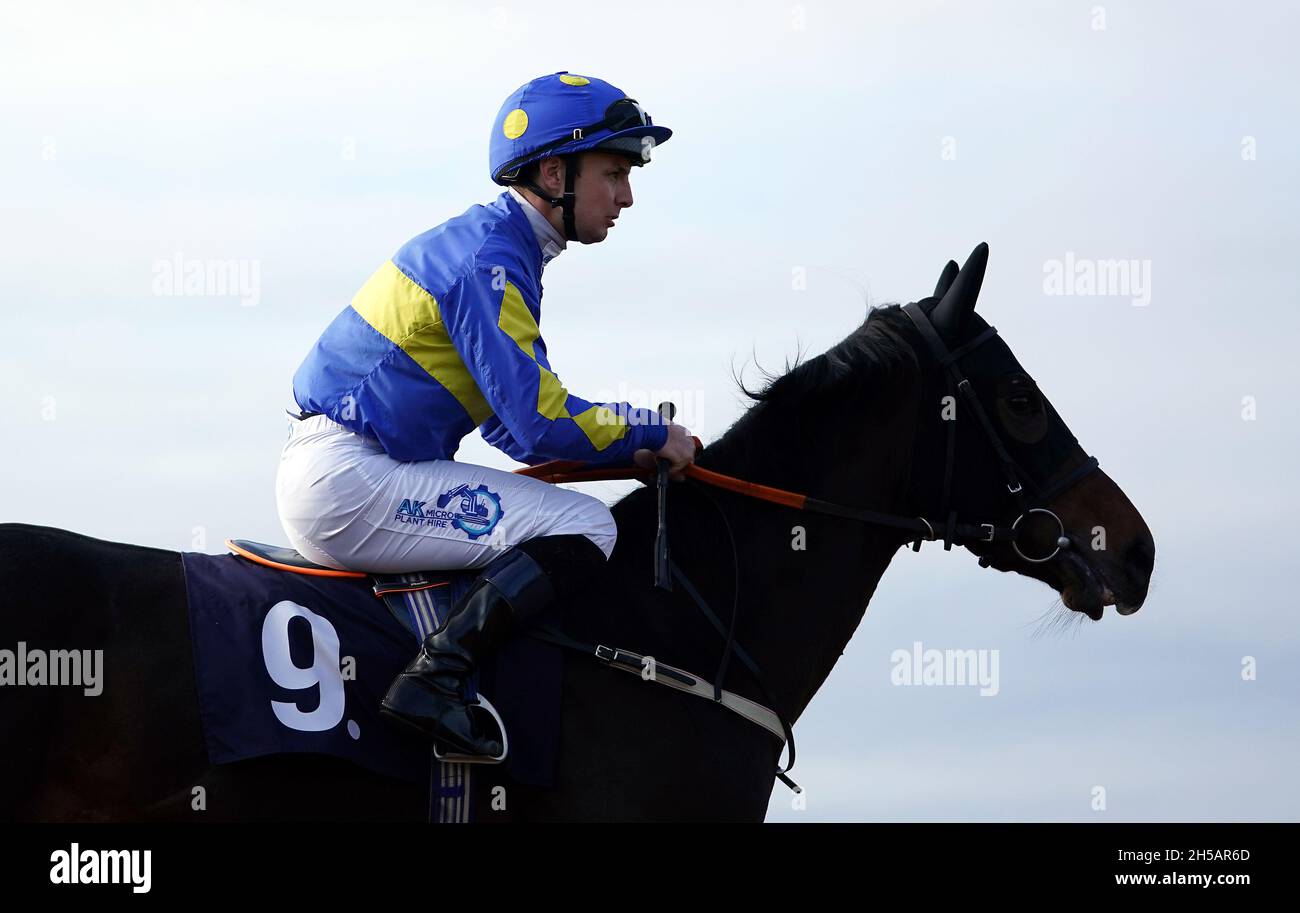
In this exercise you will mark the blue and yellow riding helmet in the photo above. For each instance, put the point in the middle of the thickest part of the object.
(564, 114)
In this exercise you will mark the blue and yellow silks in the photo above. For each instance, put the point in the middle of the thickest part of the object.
(444, 338)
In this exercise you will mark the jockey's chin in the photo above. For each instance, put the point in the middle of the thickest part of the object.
(593, 229)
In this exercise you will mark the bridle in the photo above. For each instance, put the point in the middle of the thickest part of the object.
(1016, 478)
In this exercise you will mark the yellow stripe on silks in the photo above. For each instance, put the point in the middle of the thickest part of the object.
(408, 316)
(551, 396)
(601, 425)
(518, 321)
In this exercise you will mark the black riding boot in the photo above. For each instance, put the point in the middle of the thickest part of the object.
(429, 696)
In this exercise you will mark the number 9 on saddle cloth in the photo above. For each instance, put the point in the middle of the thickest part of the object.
(291, 657)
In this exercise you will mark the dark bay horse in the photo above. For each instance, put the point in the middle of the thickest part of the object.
(879, 423)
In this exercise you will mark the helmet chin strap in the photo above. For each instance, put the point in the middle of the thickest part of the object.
(566, 201)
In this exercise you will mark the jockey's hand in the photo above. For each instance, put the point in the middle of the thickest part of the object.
(678, 450)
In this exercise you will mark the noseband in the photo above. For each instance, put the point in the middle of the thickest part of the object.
(1016, 478)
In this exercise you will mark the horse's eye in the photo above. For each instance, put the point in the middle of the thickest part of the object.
(1020, 408)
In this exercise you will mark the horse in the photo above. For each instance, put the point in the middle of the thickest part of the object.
(920, 417)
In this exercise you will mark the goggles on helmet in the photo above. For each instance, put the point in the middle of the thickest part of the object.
(620, 115)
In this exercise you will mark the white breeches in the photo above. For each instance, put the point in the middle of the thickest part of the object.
(345, 503)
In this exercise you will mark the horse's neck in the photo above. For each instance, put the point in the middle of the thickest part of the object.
(805, 578)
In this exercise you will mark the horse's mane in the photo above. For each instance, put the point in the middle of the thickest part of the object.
(866, 358)
(867, 366)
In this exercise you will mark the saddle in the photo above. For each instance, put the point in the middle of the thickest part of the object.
(419, 601)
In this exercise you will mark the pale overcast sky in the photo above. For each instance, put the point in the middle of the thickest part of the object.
(863, 143)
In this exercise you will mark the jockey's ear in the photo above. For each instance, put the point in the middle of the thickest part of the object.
(549, 174)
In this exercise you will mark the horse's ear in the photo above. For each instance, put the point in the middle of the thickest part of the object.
(959, 301)
(945, 279)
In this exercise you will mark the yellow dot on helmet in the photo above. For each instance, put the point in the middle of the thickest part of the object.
(516, 123)
(574, 80)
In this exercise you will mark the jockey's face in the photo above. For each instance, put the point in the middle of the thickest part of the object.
(603, 189)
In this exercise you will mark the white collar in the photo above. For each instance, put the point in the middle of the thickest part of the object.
(549, 240)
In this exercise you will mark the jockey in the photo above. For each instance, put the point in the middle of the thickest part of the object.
(444, 338)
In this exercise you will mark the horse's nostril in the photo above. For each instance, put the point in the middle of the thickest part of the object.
(1140, 558)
